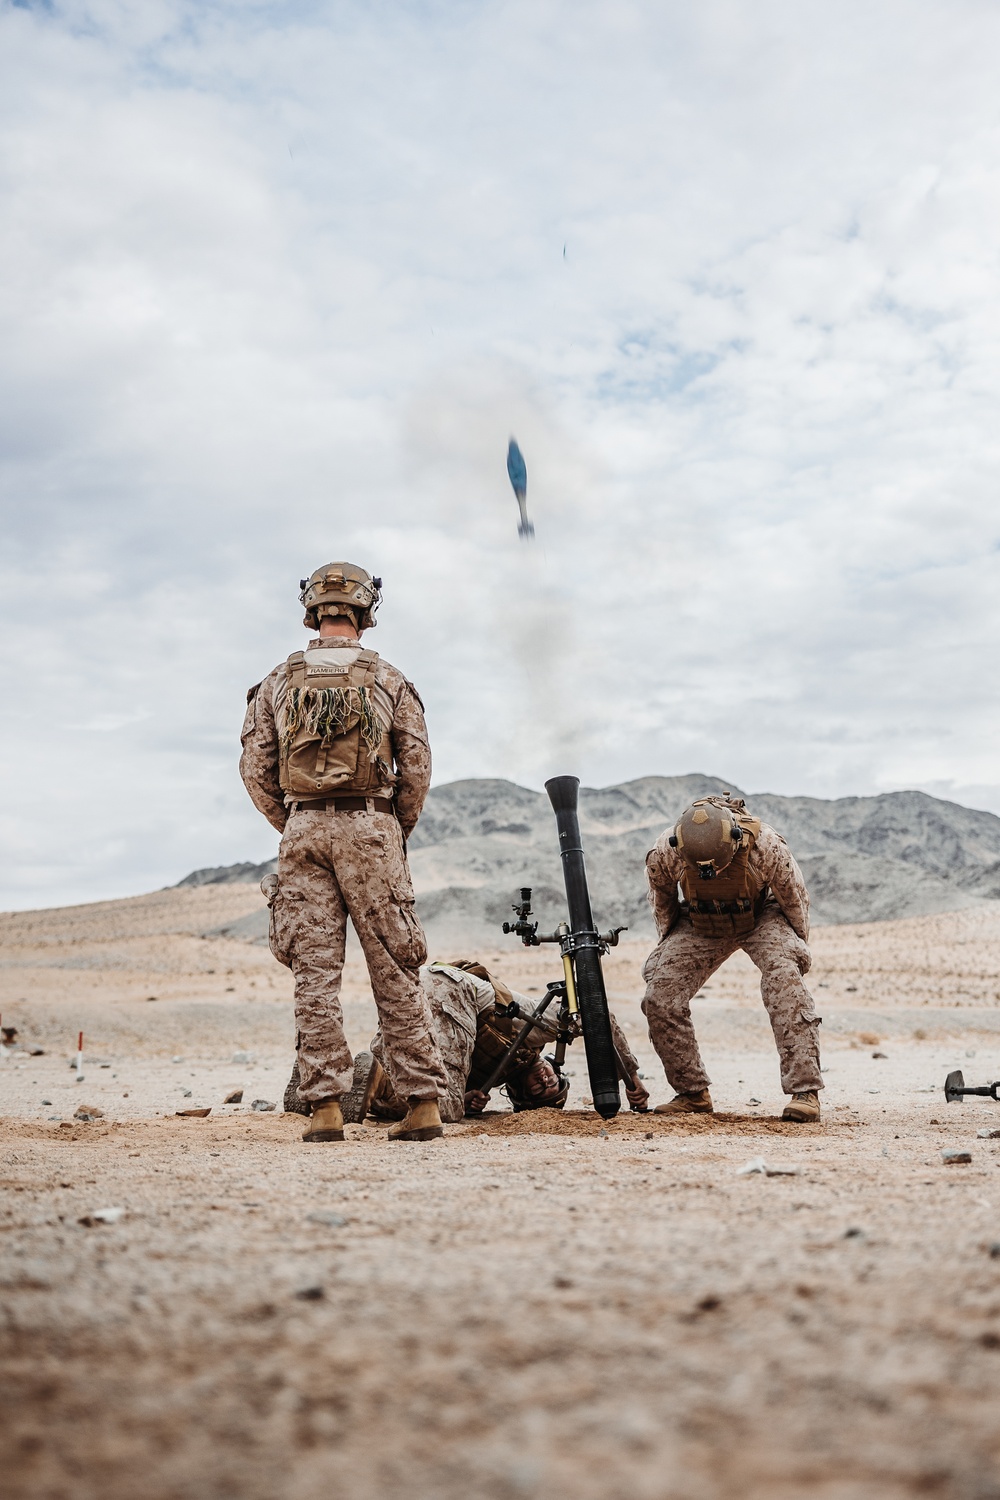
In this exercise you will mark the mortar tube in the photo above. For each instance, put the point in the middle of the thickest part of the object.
(602, 1062)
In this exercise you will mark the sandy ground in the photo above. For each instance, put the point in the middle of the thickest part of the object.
(536, 1306)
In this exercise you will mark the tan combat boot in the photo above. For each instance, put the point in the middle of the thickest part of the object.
(326, 1123)
(698, 1103)
(803, 1109)
(422, 1122)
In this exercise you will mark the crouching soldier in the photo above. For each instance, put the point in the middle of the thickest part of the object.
(467, 1006)
(721, 880)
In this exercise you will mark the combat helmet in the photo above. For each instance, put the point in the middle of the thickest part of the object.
(340, 588)
(709, 834)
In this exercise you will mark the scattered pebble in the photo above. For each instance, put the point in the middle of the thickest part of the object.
(186, 1093)
(240, 1057)
(102, 1216)
(956, 1158)
(990, 1134)
(327, 1217)
(753, 1101)
(48, 1102)
(310, 1294)
(880, 1054)
(264, 1106)
(759, 1167)
(193, 1114)
(854, 1233)
(236, 1097)
(88, 1112)
(995, 1250)
(177, 1059)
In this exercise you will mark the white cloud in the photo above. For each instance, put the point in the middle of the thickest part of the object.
(279, 283)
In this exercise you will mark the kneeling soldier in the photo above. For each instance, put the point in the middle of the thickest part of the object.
(473, 1036)
(741, 888)
(335, 756)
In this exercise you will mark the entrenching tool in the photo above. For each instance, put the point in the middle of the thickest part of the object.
(584, 1007)
(954, 1088)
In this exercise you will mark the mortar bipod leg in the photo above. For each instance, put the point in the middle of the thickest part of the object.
(539, 1010)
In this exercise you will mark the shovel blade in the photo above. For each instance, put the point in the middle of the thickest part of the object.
(954, 1086)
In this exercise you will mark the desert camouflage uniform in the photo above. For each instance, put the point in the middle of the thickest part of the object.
(683, 960)
(332, 865)
(457, 1000)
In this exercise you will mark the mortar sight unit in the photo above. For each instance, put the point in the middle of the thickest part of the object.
(583, 1008)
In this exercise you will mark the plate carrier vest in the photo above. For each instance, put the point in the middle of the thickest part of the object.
(729, 904)
(330, 737)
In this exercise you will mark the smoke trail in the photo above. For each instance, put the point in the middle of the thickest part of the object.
(528, 618)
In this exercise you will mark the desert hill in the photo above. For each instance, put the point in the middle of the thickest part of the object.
(865, 859)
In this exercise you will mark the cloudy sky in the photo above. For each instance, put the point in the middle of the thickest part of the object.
(279, 281)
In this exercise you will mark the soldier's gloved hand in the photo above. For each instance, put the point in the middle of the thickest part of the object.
(637, 1094)
(476, 1101)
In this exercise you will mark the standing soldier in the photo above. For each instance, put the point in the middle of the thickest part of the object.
(741, 889)
(335, 756)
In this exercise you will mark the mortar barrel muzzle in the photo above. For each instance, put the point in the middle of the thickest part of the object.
(564, 793)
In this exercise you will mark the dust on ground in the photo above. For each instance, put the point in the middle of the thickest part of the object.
(541, 1305)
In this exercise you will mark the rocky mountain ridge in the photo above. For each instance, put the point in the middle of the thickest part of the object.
(865, 859)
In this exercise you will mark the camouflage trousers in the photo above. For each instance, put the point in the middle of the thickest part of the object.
(680, 964)
(332, 865)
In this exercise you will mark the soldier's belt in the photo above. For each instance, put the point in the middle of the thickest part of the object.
(736, 908)
(346, 804)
